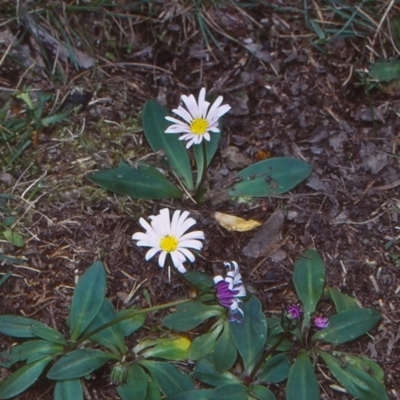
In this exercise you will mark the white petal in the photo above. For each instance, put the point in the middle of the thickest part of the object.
(177, 129)
(218, 278)
(161, 259)
(193, 235)
(191, 105)
(183, 114)
(151, 253)
(188, 254)
(191, 244)
(176, 259)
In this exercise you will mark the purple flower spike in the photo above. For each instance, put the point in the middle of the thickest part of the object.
(320, 322)
(293, 311)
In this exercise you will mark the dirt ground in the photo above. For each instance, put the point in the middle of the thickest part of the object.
(288, 99)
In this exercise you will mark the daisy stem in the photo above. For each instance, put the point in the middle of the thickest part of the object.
(131, 314)
(198, 193)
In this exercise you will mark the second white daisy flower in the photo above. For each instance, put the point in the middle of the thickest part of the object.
(199, 120)
(168, 237)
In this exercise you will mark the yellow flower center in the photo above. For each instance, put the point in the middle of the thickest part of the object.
(169, 243)
(199, 126)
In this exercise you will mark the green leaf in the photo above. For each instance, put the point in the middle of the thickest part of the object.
(87, 299)
(136, 384)
(309, 279)
(79, 363)
(14, 238)
(175, 349)
(262, 393)
(154, 126)
(169, 379)
(153, 393)
(270, 177)
(302, 383)
(385, 70)
(16, 326)
(250, 336)
(365, 364)
(31, 351)
(229, 392)
(202, 345)
(348, 325)
(44, 332)
(395, 29)
(342, 301)
(224, 354)
(198, 394)
(190, 315)
(68, 390)
(201, 281)
(112, 337)
(356, 381)
(206, 373)
(143, 182)
(132, 324)
(275, 370)
(23, 378)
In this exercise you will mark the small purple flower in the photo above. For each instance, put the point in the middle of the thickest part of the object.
(293, 311)
(229, 289)
(320, 322)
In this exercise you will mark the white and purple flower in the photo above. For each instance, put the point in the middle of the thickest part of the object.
(320, 322)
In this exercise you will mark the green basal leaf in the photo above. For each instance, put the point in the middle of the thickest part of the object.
(22, 379)
(31, 351)
(309, 279)
(202, 345)
(112, 337)
(198, 394)
(132, 324)
(250, 336)
(363, 363)
(200, 281)
(275, 370)
(262, 393)
(224, 354)
(342, 301)
(395, 29)
(153, 393)
(302, 383)
(68, 390)
(229, 392)
(356, 381)
(136, 384)
(385, 70)
(175, 349)
(190, 315)
(270, 177)
(285, 345)
(14, 238)
(348, 325)
(205, 373)
(154, 126)
(79, 363)
(12, 325)
(44, 332)
(4, 278)
(143, 182)
(169, 379)
(87, 299)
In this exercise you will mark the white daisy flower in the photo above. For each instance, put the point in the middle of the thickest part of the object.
(199, 123)
(168, 237)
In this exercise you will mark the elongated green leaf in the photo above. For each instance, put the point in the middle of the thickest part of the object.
(199, 280)
(348, 325)
(309, 279)
(270, 177)
(132, 324)
(14, 238)
(136, 384)
(224, 354)
(31, 351)
(250, 336)
(143, 182)
(395, 29)
(79, 363)
(169, 379)
(206, 373)
(189, 315)
(199, 394)
(16, 326)
(154, 125)
(23, 378)
(175, 349)
(302, 383)
(385, 70)
(275, 370)
(153, 393)
(229, 392)
(365, 364)
(202, 345)
(112, 337)
(262, 393)
(356, 381)
(44, 332)
(87, 299)
(342, 301)
(68, 390)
